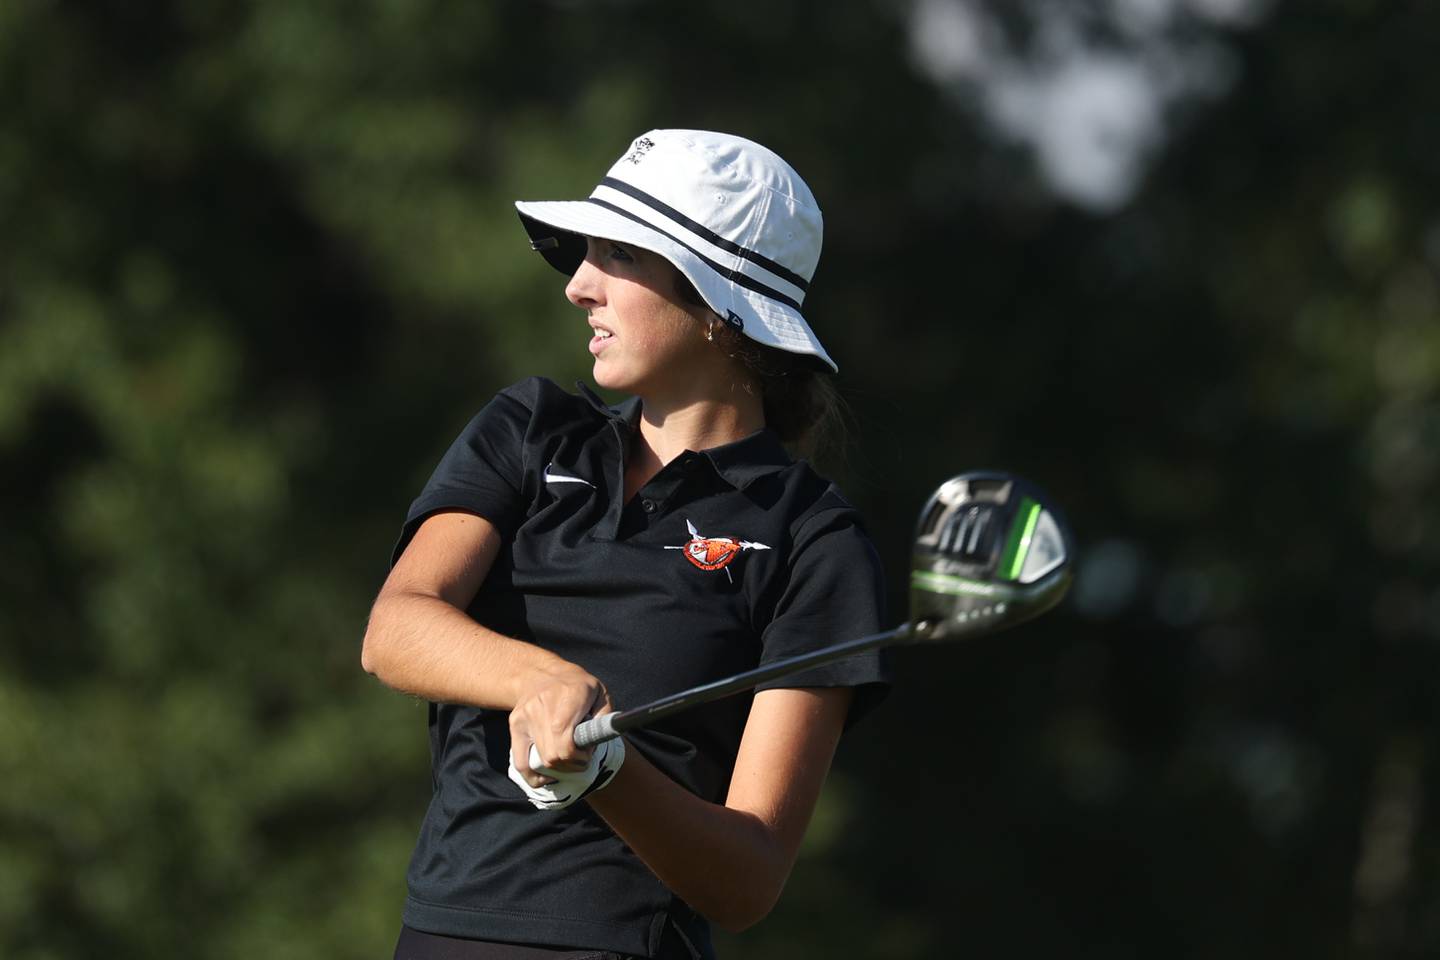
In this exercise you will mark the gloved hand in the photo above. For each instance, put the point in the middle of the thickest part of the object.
(605, 761)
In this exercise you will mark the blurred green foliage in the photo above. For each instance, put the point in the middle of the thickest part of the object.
(258, 264)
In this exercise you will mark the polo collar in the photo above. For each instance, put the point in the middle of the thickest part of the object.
(626, 412)
(744, 461)
(740, 462)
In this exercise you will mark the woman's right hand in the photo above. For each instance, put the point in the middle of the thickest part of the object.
(549, 702)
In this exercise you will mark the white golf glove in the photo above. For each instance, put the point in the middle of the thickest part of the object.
(568, 787)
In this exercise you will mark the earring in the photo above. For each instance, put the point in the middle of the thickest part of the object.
(710, 332)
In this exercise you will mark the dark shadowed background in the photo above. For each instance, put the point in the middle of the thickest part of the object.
(1176, 260)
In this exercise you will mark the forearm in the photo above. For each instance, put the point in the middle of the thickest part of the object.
(727, 864)
(425, 646)
(731, 861)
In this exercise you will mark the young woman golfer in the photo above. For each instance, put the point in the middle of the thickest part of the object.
(567, 559)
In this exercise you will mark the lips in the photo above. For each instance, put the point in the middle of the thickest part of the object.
(602, 336)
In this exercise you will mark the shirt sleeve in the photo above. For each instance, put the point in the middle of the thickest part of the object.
(835, 592)
(482, 472)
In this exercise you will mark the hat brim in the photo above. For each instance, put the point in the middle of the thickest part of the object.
(558, 228)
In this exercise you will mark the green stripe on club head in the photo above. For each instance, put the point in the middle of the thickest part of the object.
(1019, 543)
(956, 586)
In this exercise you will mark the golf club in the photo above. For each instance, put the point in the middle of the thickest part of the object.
(990, 551)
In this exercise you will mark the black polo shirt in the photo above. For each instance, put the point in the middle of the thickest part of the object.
(728, 558)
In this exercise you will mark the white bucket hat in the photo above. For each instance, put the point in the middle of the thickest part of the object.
(731, 215)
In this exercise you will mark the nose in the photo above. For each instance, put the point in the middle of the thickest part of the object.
(585, 289)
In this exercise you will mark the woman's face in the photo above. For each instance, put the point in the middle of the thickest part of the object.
(644, 340)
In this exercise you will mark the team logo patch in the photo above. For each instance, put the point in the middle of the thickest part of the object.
(713, 553)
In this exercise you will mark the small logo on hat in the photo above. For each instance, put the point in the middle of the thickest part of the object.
(642, 146)
(734, 319)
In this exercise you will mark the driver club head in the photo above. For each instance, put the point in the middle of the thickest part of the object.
(991, 551)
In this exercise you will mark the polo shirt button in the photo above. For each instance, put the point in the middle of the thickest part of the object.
(648, 506)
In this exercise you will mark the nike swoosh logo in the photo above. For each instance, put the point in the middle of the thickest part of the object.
(561, 478)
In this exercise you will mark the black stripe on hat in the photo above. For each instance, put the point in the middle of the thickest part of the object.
(748, 282)
(701, 230)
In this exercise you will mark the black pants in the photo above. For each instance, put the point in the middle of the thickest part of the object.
(414, 945)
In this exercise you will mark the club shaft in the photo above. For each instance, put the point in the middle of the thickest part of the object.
(613, 725)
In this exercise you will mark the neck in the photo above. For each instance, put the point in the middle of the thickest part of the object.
(667, 430)
(697, 426)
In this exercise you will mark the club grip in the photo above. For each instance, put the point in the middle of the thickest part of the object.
(596, 730)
